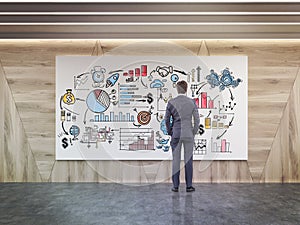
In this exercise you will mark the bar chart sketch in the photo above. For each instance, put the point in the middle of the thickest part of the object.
(134, 139)
(113, 117)
(222, 147)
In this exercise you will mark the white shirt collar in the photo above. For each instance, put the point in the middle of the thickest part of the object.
(182, 94)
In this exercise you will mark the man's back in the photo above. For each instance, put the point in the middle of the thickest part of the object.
(182, 109)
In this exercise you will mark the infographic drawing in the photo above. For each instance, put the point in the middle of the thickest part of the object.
(113, 107)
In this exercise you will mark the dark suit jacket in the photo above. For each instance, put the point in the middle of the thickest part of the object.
(182, 109)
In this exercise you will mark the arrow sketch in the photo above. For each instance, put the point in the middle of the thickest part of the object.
(231, 96)
(63, 127)
(230, 123)
(84, 120)
(197, 92)
(221, 134)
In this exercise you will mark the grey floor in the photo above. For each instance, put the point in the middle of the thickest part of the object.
(108, 204)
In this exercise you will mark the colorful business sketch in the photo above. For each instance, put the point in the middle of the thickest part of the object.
(112, 107)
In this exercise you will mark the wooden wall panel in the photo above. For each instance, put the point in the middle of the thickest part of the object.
(9, 143)
(137, 172)
(18, 163)
(33, 172)
(291, 158)
(261, 53)
(2, 158)
(283, 164)
(273, 66)
(203, 171)
(85, 171)
(156, 171)
(81, 172)
(30, 72)
(139, 47)
(221, 172)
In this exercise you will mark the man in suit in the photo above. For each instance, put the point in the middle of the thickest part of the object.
(183, 111)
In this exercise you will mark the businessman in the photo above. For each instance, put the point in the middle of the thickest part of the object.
(182, 128)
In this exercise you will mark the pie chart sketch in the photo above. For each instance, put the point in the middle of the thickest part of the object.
(98, 101)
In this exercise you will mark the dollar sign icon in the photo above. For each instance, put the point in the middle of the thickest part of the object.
(69, 99)
(149, 98)
(65, 143)
(201, 129)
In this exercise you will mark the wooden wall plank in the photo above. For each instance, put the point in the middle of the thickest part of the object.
(60, 172)
(164, 172)
(96, 167)
(33, 174)
(30, 71)
(283, 164)
(75, 171)
(110, 170)
(291, 164)
(150, 172)
(273, 167)
(18, 163)
(219, 171)
(80, 171)
(130, 172)
(21, 150)
(230, 172)
(2, 158)
(9, 138)
(203, 171)
(261, 53)
(86, 171)
(282, 160)
(140, 47)
(97, 50)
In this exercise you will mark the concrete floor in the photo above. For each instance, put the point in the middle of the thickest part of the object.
(109, 204)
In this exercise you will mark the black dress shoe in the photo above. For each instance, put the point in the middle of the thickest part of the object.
(174, 189)
(190, 189)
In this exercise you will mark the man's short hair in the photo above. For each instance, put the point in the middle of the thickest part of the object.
(181, 87)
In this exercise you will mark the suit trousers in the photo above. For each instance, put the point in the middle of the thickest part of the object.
(188, 144)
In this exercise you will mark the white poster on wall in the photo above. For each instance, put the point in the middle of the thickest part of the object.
(112, 107)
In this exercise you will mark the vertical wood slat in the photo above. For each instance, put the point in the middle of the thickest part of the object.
(294, 127)
(17, 161)
(30, 72)
(283, 164)
(9, 142)
(2, 158)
